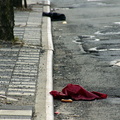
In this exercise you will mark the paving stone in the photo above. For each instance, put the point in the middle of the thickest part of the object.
(18, 19)
(21, 69)
(34, 20)
(37, 9)
(33, 25)
(37, 42)
(19, 29)
(19, 32)
(23, 80)
(4, 80)
(21, 14)
(19, 35)
(2, 92)
(28, 68)
(23, 83)
(19, 65)
(6, 65)
(13, 118)
(4, 83)
(26, 64)
(28, 57)
(5, 76)
(32, 29)
(25, 49)
(20, 24)
(25, 74)
(34, 35)
(21, 86)
(26, 61)
(16, 113)
(7, 60)
(21, 92)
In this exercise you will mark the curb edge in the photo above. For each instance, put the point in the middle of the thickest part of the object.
(49, 81)
(44, 107)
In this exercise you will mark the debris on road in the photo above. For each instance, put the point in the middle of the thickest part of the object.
(55, 16)
(7, 100)
(115, 62)
(66, 100)
(57, 113)
(77, 92)
(64, 22)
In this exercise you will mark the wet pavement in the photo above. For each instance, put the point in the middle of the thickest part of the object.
(105, 44)
(100, 19)
(87, 53)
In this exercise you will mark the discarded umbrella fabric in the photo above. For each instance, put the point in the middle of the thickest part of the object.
(55, 16)
(77, 92)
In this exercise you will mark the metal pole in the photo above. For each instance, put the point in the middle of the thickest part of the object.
(25, 3)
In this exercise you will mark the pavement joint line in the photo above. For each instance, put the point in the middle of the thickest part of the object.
(14, 119)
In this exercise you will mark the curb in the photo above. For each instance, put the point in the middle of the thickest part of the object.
(49, 48)
(44, 101)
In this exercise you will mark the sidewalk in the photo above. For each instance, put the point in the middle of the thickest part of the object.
(20, 68)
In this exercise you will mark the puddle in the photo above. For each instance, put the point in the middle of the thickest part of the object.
(114, 49)
(61, 8)
(64, 22)
(67, 8)
(108, 26)
(102, 4)
(118, 23)
(93, 0)
(108, 49)
(77, 41)
(86, 37)
(103, 49)
(106, 33)
(97, 50)
(93, 49)
(97, 40)
(115, 62)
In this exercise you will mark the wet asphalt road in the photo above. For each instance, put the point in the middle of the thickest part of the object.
(99, 20)
(87, 52)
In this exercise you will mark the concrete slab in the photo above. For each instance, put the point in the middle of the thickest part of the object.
(16, 112)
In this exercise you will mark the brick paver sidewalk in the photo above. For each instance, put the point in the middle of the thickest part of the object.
(19, 66)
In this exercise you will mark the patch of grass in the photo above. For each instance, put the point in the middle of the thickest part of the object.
(23, 9)
(17, 41)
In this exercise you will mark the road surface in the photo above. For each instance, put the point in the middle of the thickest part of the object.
(87, 53)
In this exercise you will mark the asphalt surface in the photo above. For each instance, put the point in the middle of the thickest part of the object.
(26, 66)
(87, 53)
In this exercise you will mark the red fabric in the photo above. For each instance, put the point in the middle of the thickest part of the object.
(77, 92)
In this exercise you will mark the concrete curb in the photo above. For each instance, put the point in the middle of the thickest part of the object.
(44, 101)
(49, 47)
